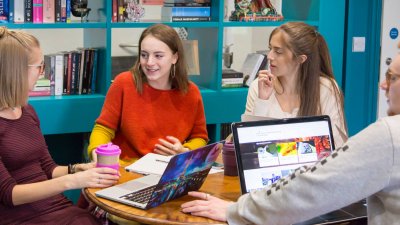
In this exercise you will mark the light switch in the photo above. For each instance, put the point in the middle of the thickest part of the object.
(358, 44)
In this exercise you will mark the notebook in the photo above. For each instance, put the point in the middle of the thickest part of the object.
(185, 172)
(270, 149)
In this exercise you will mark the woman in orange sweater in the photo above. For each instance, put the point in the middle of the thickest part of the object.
(153, 107)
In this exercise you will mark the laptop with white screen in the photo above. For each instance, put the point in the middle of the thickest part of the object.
(185, 172)
(270, 149)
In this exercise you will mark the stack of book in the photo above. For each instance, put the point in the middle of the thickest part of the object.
(186, 11)
(35, 11)
(42, 88)
(231, 78)
(68, 73)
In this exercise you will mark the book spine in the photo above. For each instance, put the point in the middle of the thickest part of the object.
(52, 73)
(82, 70)
(63, 11)
(39, 93)
(58, 74)
(90, 72)
(57, 11)
(189, 19)
(94, 71)
(48, 11)
(68, 11)
(28, 11)
(69, 78)
(114, 17)
(10, 10)
(86, 77)
(67, 67)
(19, 12)
(232, 81)
(37, 11)
(187, 11)
(74, 70)
(121, 10)
(4, 11)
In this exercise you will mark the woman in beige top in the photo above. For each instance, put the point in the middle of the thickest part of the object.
(299, 81)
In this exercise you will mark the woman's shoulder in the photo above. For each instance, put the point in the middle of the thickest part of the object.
(123, 77)
(327, 84)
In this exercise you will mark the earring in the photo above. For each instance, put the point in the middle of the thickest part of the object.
(173, 72)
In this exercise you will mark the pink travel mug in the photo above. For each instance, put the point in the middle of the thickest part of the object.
(108, 156)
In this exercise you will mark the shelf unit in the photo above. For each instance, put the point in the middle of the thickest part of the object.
(77, 113)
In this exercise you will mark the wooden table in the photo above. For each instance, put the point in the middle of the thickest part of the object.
(218, 185)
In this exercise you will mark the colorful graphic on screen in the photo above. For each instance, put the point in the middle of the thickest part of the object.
(185, 172)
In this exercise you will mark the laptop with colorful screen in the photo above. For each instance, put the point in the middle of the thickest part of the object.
(270, 149)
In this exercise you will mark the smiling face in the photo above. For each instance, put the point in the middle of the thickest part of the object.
(392, 87)
(282, 60)
(156, 61)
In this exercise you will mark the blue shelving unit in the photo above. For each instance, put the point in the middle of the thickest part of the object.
(73, 114)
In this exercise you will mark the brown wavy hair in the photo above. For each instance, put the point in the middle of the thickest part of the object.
(303, 39)
(169, 36)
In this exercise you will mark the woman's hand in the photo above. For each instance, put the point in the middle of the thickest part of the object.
(210, 207)
(171, 146)
(100, 177)
(265, 84)
(84, 166)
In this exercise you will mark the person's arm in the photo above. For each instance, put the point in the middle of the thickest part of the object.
(252, 95)
(100, 135)
(361, 168)
(194, 143)
(95, 177)
(330, 105)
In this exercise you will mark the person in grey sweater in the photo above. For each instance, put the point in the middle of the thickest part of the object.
(366, 166)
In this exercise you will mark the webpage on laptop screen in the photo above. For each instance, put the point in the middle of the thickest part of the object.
(270, 152)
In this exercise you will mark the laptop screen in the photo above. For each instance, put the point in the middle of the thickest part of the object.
(270, 149)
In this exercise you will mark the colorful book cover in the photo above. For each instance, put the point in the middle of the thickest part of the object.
(4, 11)
(48, 11)
(37, 11)
(186, 11)
(68, 11)
(64, 11)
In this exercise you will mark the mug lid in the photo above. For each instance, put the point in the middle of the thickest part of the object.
(108, 149)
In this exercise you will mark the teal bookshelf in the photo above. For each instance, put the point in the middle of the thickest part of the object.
(76, 114)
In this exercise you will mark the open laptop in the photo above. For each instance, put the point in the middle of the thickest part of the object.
(270, 149)
(185, 172)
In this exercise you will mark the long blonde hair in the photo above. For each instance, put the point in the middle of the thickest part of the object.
(15, 53)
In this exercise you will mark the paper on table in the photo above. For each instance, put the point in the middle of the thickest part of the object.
(155, 164)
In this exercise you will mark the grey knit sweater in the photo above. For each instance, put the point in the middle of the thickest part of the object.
(367, 166)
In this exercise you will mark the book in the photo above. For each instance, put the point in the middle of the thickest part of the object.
(19, 12)
(191, 49)
(231, 78)
(4, 11)
(28, 11)
(185, 11)
(37, 11)
(251, 66)
(58, 74)
(48, 11)
(57, 11)
(187, 19)
(152, 163)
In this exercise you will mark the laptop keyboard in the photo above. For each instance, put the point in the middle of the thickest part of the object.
(142, 196)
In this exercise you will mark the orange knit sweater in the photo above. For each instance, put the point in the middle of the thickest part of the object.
(141, 119)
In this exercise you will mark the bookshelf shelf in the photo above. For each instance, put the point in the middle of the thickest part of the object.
(73, 114)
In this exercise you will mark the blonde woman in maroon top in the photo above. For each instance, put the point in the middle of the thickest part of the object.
(31, 183)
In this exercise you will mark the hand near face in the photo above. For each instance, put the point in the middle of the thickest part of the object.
(210, 206)
(169, 146)
(265, 84)
(95, 178)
